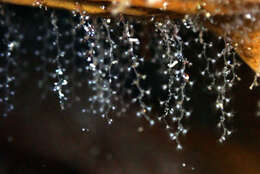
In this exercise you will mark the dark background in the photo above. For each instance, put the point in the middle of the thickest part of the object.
(39, 138)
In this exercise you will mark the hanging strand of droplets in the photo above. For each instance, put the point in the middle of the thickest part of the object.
(58, 86)
(135, 63)
(42, 54)
(10, 41)
(220, 80)
(174, 109)
(100, 62)
(109, 61)
(118, 67)
(229, 76)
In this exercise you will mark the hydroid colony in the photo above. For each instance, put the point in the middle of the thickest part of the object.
(116, 59)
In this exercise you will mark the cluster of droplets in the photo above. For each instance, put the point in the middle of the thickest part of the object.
(100, 101)
(42, 52)
(174, 67)
(220, 72)
(107, 57)
(82, 53)
(106, 67)
(136, 61)
(61, 64)
(9, 43)
(229, 77)
(58, 85)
